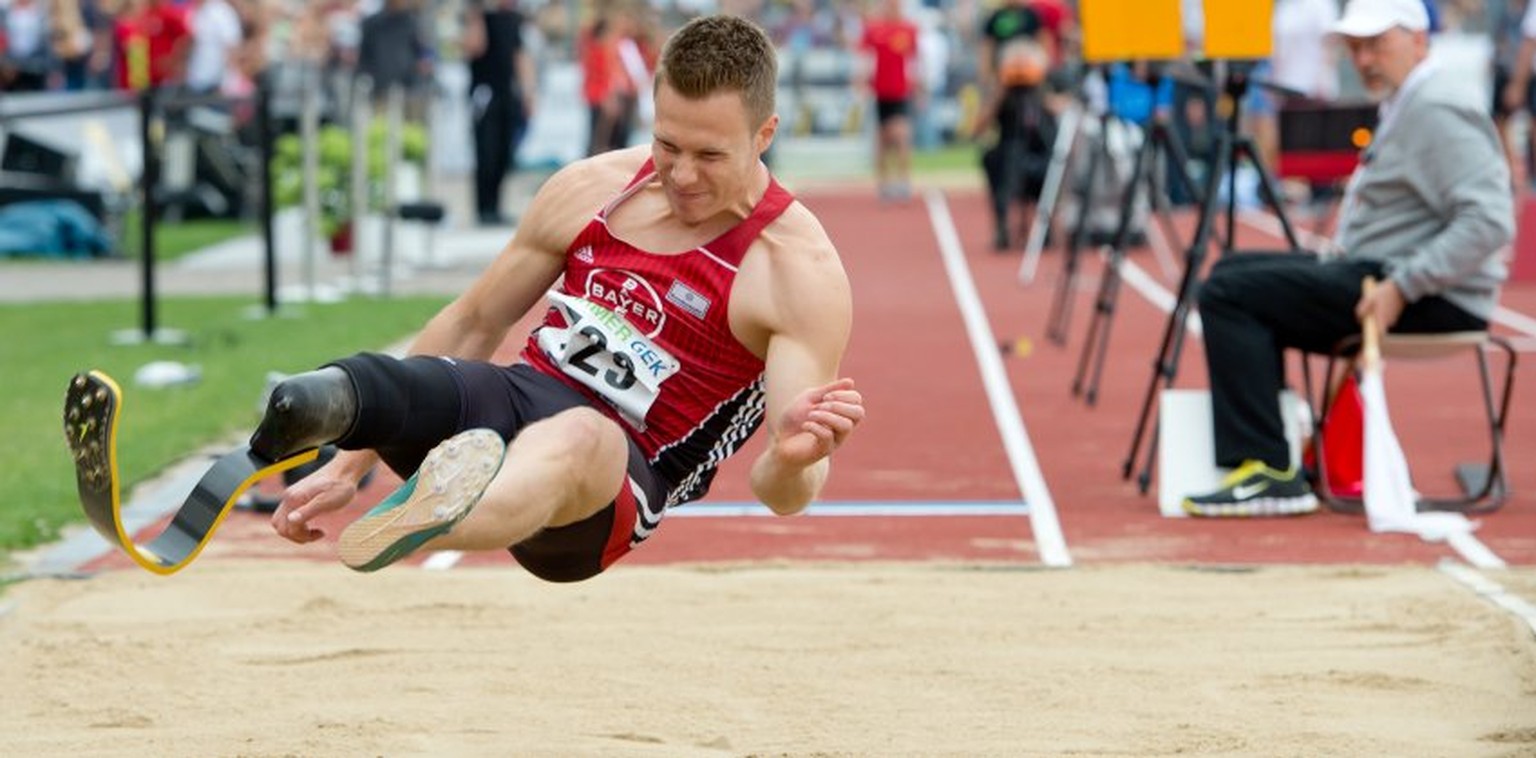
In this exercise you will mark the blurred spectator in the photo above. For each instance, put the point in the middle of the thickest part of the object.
(71, 40)
(1016, 163)
(605, 85)
(503, 85)
(393, 51)
(1301, 62)
(26, 61)
(890, 40)
(1056, 28)
(638, 51)
(101, 17)
(1303, 59)
(216, 36)
(1514, 26)
(152, 41)
(1014, 19)
(933, 52)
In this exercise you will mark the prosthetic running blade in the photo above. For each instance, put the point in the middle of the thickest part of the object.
(91, 409)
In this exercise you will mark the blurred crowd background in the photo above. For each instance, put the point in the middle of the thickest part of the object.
(591, 60)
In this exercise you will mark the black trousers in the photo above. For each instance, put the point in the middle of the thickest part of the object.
(495, 126)
(1255, 305)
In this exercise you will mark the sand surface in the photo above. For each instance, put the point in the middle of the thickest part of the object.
(289, 658)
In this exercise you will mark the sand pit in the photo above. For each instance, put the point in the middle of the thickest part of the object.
(290, 658)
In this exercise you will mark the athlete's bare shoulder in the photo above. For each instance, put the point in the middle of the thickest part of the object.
(568, 200)
(791, 282)
(797, 237)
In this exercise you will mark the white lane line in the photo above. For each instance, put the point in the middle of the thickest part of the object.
(1474, 552)
(1492, 591)
(442, 560)
(871, 508)
(1156, 294)
(1515, 320)
(1005, 410)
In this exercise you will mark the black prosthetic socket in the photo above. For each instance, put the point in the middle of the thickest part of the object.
(306, 411)
(405, 406)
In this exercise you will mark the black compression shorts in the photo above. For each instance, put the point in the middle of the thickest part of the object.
(407, 406)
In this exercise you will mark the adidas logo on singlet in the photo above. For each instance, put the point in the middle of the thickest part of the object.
(584, 254)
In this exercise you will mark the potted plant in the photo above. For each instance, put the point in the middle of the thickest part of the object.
(333, 173)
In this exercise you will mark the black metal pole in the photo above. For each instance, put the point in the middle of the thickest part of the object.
(264, 148)
(149, 177)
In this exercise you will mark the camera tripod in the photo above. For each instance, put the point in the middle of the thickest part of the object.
(1100, 166)
(1160, 143)
(1231, 146)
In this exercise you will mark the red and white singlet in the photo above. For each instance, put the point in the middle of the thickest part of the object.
(647, 335)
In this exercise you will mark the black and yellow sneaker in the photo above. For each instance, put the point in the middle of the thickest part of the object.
(1255, 490)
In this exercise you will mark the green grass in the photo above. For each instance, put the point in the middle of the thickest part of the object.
(174, 240)
(44, 344)
(959, 158)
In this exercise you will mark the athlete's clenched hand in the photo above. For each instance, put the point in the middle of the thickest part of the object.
(818, 422)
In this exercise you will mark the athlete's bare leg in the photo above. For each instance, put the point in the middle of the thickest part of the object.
(556, 471)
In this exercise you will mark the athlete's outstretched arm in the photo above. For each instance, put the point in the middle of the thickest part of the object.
(809, 411)
(474, 325)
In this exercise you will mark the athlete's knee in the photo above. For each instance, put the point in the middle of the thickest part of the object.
(576, 434)
(577, 446)
(306, 411)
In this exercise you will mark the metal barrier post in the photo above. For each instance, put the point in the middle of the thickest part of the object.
(264, 147)
(309, 129)
(149, 177)
(362, 114)
(395, 110)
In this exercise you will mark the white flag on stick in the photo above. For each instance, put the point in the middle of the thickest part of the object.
(1390, 502)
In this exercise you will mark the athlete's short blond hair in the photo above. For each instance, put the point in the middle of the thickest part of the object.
(723, 53)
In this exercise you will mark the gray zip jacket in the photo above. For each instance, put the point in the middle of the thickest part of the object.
(1434, 199)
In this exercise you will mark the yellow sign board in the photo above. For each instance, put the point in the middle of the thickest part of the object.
(1238, 29)
(1118, 30)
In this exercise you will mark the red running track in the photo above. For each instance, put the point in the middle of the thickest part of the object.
(931, 444)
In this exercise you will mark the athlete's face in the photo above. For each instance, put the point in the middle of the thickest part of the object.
(707, 152)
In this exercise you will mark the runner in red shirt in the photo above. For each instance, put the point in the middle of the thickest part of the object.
(688, 299)
(153, 40)
(890, 39)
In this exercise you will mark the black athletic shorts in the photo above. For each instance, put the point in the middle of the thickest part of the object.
(885, 110)
(407, 406)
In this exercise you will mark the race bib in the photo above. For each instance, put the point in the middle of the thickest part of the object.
(600, 349)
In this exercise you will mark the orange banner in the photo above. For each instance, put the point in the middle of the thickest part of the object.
(1239, 29)
(1118, 30)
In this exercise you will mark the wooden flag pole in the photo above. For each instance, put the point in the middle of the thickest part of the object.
(1370, 345)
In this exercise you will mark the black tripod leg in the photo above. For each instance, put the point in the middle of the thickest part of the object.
(1109, 287)
(1061, 304)
(1269, 189)
(1165, 366)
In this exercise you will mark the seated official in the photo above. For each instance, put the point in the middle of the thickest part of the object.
(1427, 213)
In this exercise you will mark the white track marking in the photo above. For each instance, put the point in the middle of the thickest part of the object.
(871, 508)
(1492, 591)
(442, 560)
(1005, 410)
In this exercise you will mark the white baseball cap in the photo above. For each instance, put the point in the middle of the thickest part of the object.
(1368, 18)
